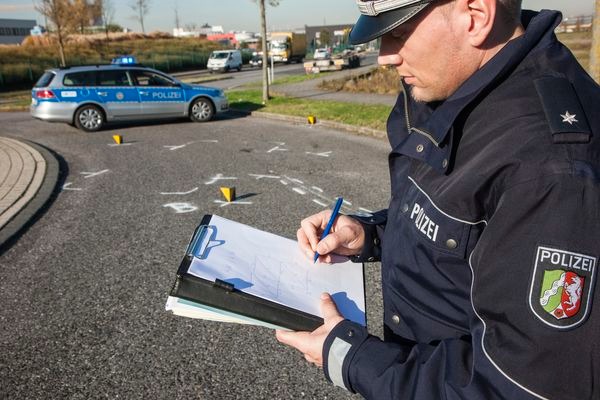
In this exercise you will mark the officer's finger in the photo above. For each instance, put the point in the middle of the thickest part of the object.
(298, 340)
(304, 244)
(341, 238)
(312, 226)
(328, 308)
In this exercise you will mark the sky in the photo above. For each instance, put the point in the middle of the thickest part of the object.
(243, 15)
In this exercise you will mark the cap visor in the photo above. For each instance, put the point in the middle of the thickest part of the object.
(368, 28)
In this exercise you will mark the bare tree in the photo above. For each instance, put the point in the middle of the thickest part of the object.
(595, 50)
(176, 9)
(141, 8)
(80, 14)
(107, 13)
(263, 34)
(59, 13)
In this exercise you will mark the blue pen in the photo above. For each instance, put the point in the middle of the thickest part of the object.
(334, 214)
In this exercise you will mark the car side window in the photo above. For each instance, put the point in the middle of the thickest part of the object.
(86, 78)
(113, 78)
(149, 78)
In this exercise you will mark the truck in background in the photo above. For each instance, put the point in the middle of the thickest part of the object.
(324, 61)
(287, 47)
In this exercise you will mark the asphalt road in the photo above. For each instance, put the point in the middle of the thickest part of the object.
(83, 289)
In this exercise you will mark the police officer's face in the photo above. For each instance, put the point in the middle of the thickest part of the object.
(428, 53)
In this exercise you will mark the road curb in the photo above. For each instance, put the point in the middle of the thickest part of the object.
(358, 130)
(24, 217)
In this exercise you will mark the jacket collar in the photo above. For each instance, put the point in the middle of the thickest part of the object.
(430, 124)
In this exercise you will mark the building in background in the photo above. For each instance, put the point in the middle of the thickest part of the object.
(13, 31)
(330, 36)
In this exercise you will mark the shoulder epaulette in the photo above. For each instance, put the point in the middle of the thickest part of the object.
(564, 113)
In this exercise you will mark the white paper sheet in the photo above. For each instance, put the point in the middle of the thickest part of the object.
(274, 268)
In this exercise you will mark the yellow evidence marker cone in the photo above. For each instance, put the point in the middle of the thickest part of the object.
(312, 119)
(118, 139)
(228, 193)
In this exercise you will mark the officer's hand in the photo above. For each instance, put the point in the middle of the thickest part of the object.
(346, 237)
(311, 343)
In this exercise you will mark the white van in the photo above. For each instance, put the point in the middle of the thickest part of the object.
(225, 60)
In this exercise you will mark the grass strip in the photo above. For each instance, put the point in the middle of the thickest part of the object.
(15, 101)
(362, 115)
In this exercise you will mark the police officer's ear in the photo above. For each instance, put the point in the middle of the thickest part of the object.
(477, 18)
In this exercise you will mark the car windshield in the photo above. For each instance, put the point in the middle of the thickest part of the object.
(220, 55)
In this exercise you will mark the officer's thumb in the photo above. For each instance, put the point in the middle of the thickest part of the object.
(328, 307)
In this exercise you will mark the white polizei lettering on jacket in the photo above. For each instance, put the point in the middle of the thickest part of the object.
(567, 259)
(424, 223)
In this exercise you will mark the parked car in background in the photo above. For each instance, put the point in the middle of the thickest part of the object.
(90, 96)
(257, 60)
(224, 60)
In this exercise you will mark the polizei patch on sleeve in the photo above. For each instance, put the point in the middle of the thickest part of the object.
(561, 287)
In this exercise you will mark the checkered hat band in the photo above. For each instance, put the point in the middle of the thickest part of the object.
(376, 7)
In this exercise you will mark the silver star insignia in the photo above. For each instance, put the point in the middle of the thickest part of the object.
(569, 118)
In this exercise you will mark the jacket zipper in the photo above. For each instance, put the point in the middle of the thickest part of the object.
(410, 128)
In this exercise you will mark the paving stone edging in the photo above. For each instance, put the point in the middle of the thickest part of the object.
(37, 202)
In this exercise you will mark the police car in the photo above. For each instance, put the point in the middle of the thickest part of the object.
(90, 96)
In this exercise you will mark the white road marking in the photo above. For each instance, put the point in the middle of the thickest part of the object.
(119, 145)
(259, 177)
(320, 203)
(276, 148)
(317, 189)
(66, 186)
(171, 148)
(219, 177)
(298, 190)
(179, 193)
(226, 203)
(323, 154)
(181, 208)
(92, 174)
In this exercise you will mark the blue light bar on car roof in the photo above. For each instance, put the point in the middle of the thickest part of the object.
(124, 60)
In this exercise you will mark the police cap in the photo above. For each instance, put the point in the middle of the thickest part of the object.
(381, 16)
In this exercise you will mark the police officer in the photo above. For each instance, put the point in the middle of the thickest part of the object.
(490, 244)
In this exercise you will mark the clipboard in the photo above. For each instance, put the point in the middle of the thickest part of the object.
(231, 299)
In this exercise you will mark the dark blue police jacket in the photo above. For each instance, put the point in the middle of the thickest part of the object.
(490, 244)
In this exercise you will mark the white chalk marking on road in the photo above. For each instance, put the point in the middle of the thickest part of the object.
(363, 212)
(298, 190)
(320, 203)
(294, 180)
(92, 174)
(323, 154)
(276, 148)
(66, 186)
(119, 145)
(181, 208)
(209, 141)
(284, 182)
(219, 177)
(179, 193)
(346, 202)
(226, 203)
(177, 147)
(318, 189)
(259, 177)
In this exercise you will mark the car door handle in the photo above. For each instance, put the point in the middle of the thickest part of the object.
(143, 92)
(102, 94)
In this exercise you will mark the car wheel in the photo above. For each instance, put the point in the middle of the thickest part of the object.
(89, 118)
(239, 68)
(202, 110)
